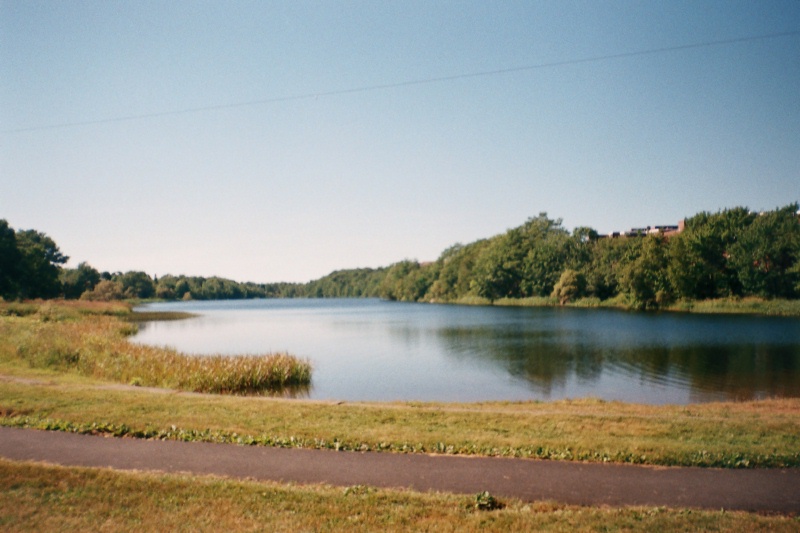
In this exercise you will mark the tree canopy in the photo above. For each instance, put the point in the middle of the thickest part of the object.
(30, 263)
(731, 253)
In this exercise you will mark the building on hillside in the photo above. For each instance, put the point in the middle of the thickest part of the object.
(667, 231)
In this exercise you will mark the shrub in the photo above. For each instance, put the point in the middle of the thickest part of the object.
(570, 286)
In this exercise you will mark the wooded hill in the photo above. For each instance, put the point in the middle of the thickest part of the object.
(732, 253)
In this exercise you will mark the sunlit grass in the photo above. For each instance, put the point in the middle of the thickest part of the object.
(736, 435)
(38, 497)
(145, 316)
(55, 373)
(750, 305)
(90, 338)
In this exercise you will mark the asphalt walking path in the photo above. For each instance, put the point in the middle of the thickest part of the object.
(762, 490)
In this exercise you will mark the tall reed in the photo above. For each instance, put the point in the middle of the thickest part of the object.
(94, 343)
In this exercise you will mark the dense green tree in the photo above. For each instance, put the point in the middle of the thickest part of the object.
(699, 264)
(539, 250)
(40, 260)
(731, 253)
(525, 261)
(645, 279)
(609, 258)
(570, 286)
(182, 289)
(76, 281)
(165, 287)
(215, 288)
(583, 242)
(359, 282)
(406, 281)
(136, 284)
(9, 261)
(544, 262)
(105, 291)
(456, 271)
(498, 269)
(767, 252)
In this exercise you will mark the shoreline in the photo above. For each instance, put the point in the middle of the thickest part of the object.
(740, 306)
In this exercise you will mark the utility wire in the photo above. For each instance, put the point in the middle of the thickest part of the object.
(409, 83)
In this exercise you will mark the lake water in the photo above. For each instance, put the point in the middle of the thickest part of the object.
(368, 349)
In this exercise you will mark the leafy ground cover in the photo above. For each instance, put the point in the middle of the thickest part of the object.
(37, 497)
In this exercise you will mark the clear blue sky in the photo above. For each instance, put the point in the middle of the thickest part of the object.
(295, 186)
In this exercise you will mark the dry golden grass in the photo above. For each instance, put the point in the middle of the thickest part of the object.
(748, 434)
(90, 338)
(37, 497)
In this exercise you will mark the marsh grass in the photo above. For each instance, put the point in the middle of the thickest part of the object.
(92, 340)
(37, 497)
(147, 316)
(533, 301)
(750, 305)
(472, 300)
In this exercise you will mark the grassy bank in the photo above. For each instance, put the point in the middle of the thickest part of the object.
(57, 366)
(742, 306)
(754, 306)
(91, 339)
(41, 388)
(45, 498)
(748, 434)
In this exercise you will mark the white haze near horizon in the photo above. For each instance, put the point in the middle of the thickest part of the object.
(293, 186)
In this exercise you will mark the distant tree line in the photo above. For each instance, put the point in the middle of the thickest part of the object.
(31, 266)
(732, 253)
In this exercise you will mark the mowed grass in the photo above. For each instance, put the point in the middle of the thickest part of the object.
(91, 339)
(747, 434)
(36, 497)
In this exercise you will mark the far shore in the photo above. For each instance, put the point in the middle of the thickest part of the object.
(742, 306)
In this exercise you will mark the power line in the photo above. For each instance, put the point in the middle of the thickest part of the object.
(409, 83)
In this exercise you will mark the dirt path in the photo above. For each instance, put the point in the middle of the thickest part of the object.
(575, 483)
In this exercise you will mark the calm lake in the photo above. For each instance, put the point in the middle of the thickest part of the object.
(368, 349)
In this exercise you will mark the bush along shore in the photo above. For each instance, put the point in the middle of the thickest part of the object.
(59, 336)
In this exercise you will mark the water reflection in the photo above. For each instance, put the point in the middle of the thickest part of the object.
(546, 359)
(373, 350)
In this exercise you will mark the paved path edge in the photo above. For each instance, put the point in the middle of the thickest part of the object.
(754, 490)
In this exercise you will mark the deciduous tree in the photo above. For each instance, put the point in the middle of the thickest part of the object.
(40, 260)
